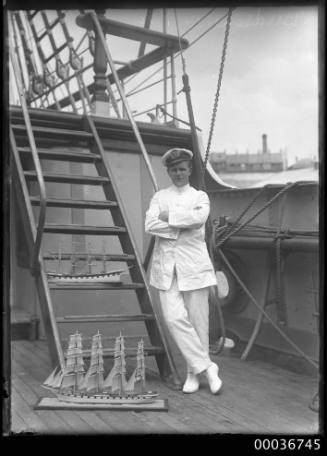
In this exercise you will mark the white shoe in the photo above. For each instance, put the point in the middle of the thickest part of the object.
(213, 379)
(191, 384)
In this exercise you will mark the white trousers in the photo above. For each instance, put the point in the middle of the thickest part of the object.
(187, 318)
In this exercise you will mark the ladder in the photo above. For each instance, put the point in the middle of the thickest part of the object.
(53, 133)
(82, 132)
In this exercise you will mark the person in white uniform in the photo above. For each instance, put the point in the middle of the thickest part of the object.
(181, 267)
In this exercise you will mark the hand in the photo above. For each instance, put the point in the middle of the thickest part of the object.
(163, 216)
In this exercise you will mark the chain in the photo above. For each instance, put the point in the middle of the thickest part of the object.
(215, 106)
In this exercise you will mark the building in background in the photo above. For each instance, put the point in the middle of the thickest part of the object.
(264, 161)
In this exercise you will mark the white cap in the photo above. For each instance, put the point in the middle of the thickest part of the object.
(176, 155)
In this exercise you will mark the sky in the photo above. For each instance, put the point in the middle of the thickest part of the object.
(270, 79)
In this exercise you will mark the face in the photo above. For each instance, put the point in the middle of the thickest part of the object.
(180, 173)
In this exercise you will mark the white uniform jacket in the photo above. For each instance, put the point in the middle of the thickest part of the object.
(180, 242)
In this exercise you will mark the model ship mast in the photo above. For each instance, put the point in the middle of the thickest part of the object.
(74, 370)
(138, 376)
(93, 380)
(116, 379)
(72, 375)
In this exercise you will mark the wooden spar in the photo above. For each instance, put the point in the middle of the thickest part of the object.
(197, 175)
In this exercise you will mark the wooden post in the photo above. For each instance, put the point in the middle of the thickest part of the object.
(100, 99)
(165, 66)
(173, 89)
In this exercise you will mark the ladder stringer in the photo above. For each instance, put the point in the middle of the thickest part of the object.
(164, 360)
(48, 317)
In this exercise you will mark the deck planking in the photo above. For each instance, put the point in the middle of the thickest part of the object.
(257, 397)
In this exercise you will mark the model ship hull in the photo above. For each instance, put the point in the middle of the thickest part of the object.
(145, 398)
(89, 278)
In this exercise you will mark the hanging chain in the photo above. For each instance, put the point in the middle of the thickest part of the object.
(215, 106)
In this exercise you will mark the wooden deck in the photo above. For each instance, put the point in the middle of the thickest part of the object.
(256, 398)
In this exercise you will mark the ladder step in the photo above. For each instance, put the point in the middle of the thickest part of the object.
(68, 178)
(55, 131)
(59, 285)
(65, 155)
(84, 229)
(85, 256)
(103, 318)
(79, 204)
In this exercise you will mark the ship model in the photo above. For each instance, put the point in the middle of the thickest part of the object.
(73, 384)
(87, 276)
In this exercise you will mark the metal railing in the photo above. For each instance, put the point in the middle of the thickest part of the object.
(36, 161)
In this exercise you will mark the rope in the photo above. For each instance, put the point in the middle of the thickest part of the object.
(180, 43)
(215, 106)
(281, 332)
(163, 110)
(247, 208)
(177, 54)
(208, 30)
(281, 311)
(259, 320)
(280, 193)
(199, 21)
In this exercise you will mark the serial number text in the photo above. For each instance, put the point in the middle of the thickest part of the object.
(286, 444)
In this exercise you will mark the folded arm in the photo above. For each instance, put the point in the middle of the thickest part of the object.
(190, 218)
(154, 225)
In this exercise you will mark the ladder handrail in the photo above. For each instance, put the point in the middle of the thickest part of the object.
(124, 100)
(36, 161)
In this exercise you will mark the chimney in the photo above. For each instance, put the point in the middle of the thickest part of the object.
(264, 144)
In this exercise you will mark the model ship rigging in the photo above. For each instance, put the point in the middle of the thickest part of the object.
(87, 275)
(73, 384)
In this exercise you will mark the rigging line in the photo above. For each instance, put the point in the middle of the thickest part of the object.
(176, 118)
(29, 39)
(198, 22)
(180, 44)
(281, 332)
(191, 44)
(133, 91)
(209, 29)
(81, 41)
(285, 189)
